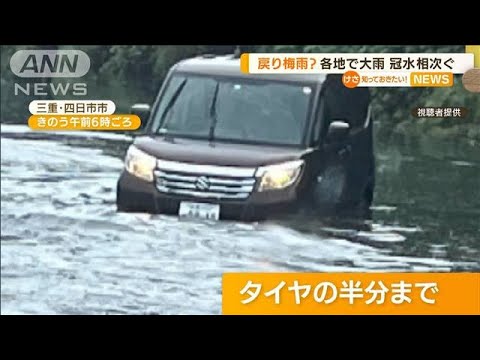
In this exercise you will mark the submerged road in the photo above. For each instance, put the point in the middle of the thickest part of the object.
(65, 249)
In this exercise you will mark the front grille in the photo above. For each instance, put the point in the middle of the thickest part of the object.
(204, 181)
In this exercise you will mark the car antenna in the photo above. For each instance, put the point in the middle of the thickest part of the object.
(237, 52)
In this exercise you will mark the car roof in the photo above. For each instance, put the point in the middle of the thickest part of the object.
(229, 65)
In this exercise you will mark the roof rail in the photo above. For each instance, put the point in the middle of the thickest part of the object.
(237, 52)
(208, 56)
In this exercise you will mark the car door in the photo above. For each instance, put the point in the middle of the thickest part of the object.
(338, 162)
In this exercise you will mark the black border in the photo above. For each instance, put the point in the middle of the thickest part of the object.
(328, 337)
(137, 23)
(364, 335)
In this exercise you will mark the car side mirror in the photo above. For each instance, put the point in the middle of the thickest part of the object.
(142, 111)
(338, 131)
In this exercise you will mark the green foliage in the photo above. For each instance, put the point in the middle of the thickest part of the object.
(11, 106)
(133, 73)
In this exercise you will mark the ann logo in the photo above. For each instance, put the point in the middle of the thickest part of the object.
(55, 66)
(50, 63)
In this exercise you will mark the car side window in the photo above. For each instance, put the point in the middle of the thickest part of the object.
(349, 105)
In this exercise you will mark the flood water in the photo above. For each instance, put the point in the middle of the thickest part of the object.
(65, 249)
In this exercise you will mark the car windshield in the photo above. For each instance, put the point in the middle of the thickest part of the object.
(259, 111)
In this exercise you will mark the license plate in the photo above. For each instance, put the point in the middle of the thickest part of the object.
(199, 210)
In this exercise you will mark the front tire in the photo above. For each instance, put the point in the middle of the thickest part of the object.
(329, 189)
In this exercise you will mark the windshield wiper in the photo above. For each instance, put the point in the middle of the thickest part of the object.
(213, 113)
(171, 102)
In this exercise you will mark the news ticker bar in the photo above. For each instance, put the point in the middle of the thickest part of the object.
(76, 122)
(367, 69)
(351, 293)
(339, 63)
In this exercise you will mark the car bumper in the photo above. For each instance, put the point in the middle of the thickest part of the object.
(137, 195)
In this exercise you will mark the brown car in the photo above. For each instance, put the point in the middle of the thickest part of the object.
(218, 143)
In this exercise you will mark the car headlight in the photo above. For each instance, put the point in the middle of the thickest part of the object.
(139, 163)
(279, 176)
